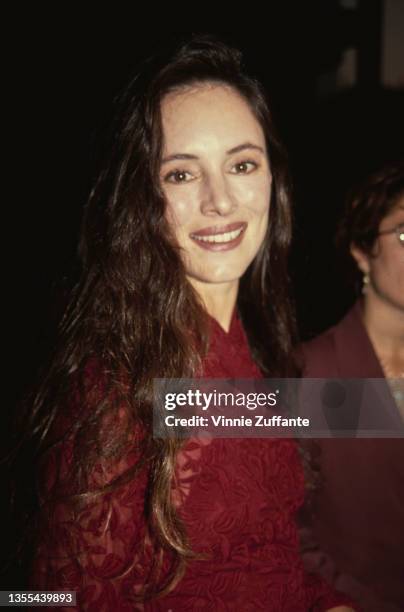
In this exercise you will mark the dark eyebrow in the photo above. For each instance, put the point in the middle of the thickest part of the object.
(241, 147)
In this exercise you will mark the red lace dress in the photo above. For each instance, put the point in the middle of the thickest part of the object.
(238, 499)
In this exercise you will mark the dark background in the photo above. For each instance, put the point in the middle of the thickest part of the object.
(63, 94)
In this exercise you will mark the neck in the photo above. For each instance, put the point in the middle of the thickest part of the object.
(219, 300)
(384, 324)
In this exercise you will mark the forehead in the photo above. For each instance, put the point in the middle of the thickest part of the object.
(208, 114)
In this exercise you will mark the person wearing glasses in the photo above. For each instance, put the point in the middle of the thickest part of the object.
(356, 534)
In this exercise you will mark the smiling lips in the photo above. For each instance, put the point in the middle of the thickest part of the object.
(222, 238)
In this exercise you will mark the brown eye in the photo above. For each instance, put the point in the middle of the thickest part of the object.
(178, 176)
(245, 167)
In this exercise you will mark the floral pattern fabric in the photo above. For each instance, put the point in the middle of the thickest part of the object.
(238, 499)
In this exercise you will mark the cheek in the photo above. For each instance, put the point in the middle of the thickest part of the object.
(263, 198)
(182, 205)
(390, 267)
(397, 269)
(256, 194)
(264, 204)
(177, 211)
(264, 222)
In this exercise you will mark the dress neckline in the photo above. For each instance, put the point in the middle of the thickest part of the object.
(229, 354)
(218, 329)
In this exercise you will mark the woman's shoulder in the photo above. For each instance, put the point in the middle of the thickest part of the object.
(318, 355)
(342, 351)
(94, 425)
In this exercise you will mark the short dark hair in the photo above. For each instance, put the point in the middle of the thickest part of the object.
(367, 205)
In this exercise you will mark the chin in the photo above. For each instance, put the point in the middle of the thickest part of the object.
(222, 276)
(217, 280)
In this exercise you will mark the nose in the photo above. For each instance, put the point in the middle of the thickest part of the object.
(217, 197)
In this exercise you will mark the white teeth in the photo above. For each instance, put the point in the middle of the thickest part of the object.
(227, 237)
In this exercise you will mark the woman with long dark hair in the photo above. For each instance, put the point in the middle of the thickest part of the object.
(183, 250)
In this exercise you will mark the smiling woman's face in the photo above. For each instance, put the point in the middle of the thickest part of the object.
(216, 180)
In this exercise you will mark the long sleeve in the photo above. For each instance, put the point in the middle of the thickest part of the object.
(99, 548)
(99, 551)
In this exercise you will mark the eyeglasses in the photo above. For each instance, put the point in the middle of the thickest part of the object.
(398, 230)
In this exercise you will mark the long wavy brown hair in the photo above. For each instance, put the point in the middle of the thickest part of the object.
(134, 314)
